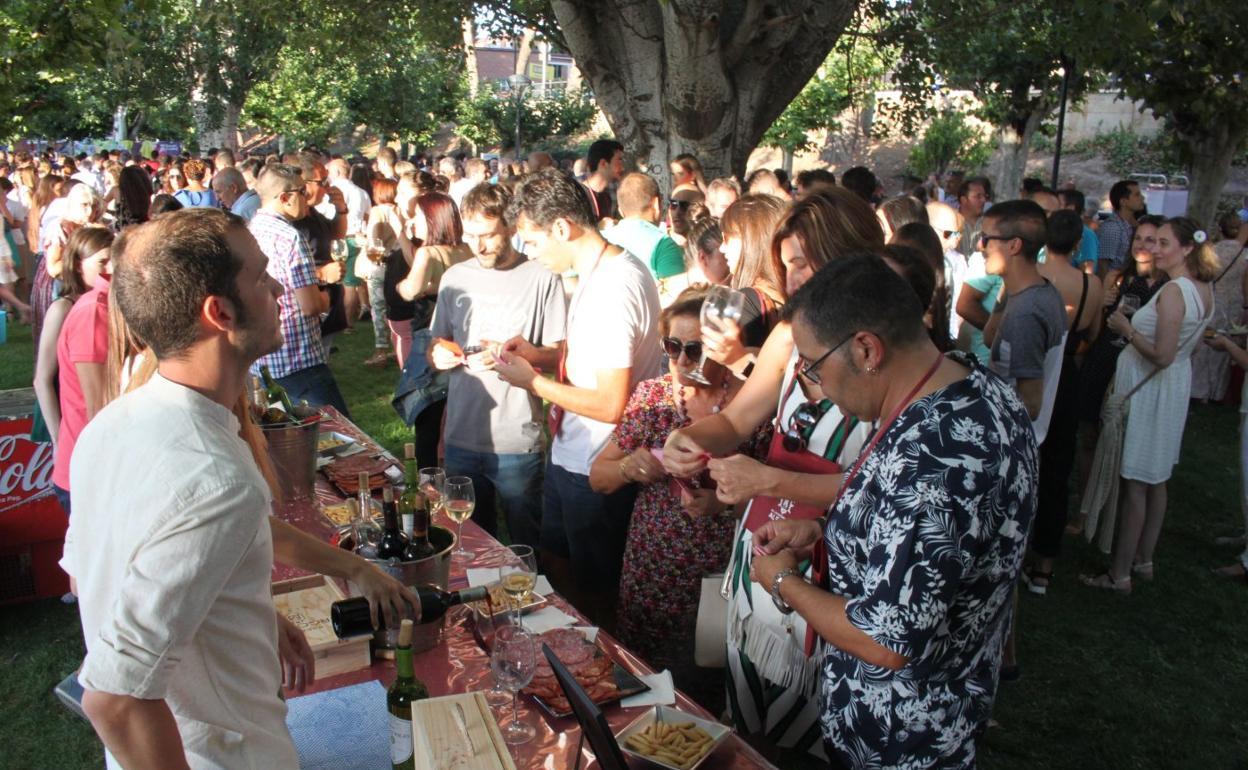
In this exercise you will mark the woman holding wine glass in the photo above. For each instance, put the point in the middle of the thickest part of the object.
(679, 532)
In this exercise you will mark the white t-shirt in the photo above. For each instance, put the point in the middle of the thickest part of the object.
(358, 204)
(613, 323)
(460, 188)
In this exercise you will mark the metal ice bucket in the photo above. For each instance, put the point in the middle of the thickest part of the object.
(292, 448)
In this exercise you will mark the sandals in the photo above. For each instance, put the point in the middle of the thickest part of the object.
(1142, 570)
(1037, 581)
(1106, 582)
(1232, 572)
(379, 359)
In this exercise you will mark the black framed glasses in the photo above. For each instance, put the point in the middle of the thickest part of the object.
(802, 424)
(673, 346)
(811, 371)
(984, 238)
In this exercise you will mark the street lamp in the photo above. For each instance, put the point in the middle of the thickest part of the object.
(519, 83)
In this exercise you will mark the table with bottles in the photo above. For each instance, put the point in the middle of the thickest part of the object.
(459, 664)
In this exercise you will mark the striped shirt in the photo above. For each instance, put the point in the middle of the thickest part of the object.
(290, 262)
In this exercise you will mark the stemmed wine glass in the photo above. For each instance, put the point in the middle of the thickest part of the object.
(338, 250)
(487, 626)
(459, 502)
(514, 661)
(721, 304)
(1128, 305)
(518, 576)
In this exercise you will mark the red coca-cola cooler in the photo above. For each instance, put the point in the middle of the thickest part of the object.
(32, 523)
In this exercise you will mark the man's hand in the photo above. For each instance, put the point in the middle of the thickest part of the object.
(388, 599)
(298, 661)
(797, 535)
(330, 272)
(443, 358)
(515, 370)
(519, 346)
(682, 456)
(739, 478)
(698, 503)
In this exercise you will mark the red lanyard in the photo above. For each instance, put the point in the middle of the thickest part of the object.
(879, 433)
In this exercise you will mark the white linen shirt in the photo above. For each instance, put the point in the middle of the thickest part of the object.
(171, 547)
(358, 205)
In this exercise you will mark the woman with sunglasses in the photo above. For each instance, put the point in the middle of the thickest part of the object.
(680, 532)
(813, 442)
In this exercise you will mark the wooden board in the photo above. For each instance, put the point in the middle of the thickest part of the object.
(440, 743)
(305, 602)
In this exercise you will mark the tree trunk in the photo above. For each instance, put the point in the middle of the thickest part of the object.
(1211, 156)
(574, 78)
(695, 76)
(1013, 147)
(469, 30)
(524, 51)
(215, 128)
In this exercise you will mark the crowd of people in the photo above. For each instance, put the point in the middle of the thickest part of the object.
(833, 497)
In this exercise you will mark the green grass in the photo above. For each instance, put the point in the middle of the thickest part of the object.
(1154, 680)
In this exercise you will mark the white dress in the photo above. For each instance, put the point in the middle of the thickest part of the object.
(1157, 413)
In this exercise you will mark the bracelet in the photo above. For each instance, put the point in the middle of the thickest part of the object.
(1130, 337)
(776, 599)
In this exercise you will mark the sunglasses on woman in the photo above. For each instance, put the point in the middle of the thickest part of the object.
(802, 423)
(673, 346)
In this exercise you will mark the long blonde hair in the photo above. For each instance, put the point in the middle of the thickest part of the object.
(753, 219)
(1202, 261)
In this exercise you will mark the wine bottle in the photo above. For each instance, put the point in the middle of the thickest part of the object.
(405, 689)
(415, 510)
(364, 531)
(276, 392)
(393, 543)
(350, 617)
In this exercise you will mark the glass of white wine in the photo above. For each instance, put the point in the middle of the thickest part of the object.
(432, 484)
(518, 576)
(459, 501)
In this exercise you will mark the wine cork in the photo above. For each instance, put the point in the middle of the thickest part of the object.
(405, 632)
(363, 479)
(409, 451)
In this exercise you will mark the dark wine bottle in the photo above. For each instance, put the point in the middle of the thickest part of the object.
(399, 698)
(393, 543)
(350, 617)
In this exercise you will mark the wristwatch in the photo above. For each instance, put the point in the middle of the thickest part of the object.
(780, 603)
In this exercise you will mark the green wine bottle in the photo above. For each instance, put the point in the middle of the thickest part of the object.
(406, 689)
(276, 392)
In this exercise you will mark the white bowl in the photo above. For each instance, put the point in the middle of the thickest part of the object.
(668, 715)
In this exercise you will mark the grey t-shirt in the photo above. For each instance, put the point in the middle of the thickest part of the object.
(1033, 324)
(483, 413)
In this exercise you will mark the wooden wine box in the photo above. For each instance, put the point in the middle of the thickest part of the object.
(458, 732)
(305, 602)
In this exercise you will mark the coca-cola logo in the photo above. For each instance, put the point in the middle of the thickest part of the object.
(25, 467)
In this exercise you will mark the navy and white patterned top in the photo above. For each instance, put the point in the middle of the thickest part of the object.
(290, 262)
(926, 544)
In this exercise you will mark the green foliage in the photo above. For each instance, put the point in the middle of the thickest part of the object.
(950, 140)
(1125, 152)
(848, 78)
(489, 118)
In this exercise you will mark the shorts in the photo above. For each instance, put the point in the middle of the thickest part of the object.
(348, 274)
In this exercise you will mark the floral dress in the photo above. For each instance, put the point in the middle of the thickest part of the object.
(667, 553)
(925, 545)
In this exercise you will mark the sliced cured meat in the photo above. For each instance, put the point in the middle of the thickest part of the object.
(557, 637)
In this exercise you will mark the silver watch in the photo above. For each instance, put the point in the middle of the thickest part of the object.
(780, 603)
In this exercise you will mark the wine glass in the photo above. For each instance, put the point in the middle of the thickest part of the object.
(432, 484)
(459, 502)
(514, 661)
(721, 304)
(518, 576)
(487, 627)
(338, 250)
(1129, 304)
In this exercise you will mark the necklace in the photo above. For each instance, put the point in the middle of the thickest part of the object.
(683, 410)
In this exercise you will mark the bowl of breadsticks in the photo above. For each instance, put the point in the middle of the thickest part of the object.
(671, 738)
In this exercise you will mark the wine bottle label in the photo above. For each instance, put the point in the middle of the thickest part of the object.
(400, 739)
(409, 521)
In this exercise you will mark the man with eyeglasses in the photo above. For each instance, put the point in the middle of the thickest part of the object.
(300, 364)
(678, 222)
(637, 231)
(493, 431)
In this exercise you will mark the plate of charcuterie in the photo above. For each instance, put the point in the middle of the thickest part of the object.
(605, 680)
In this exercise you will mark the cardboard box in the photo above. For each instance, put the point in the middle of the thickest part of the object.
(32, 523)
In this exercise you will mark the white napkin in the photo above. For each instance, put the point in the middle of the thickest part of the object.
(591, 632)
(662, 691)
(543, 586)
(546, 618)
(483, 576)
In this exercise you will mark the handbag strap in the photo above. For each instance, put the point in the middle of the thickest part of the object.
(1231, 264)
